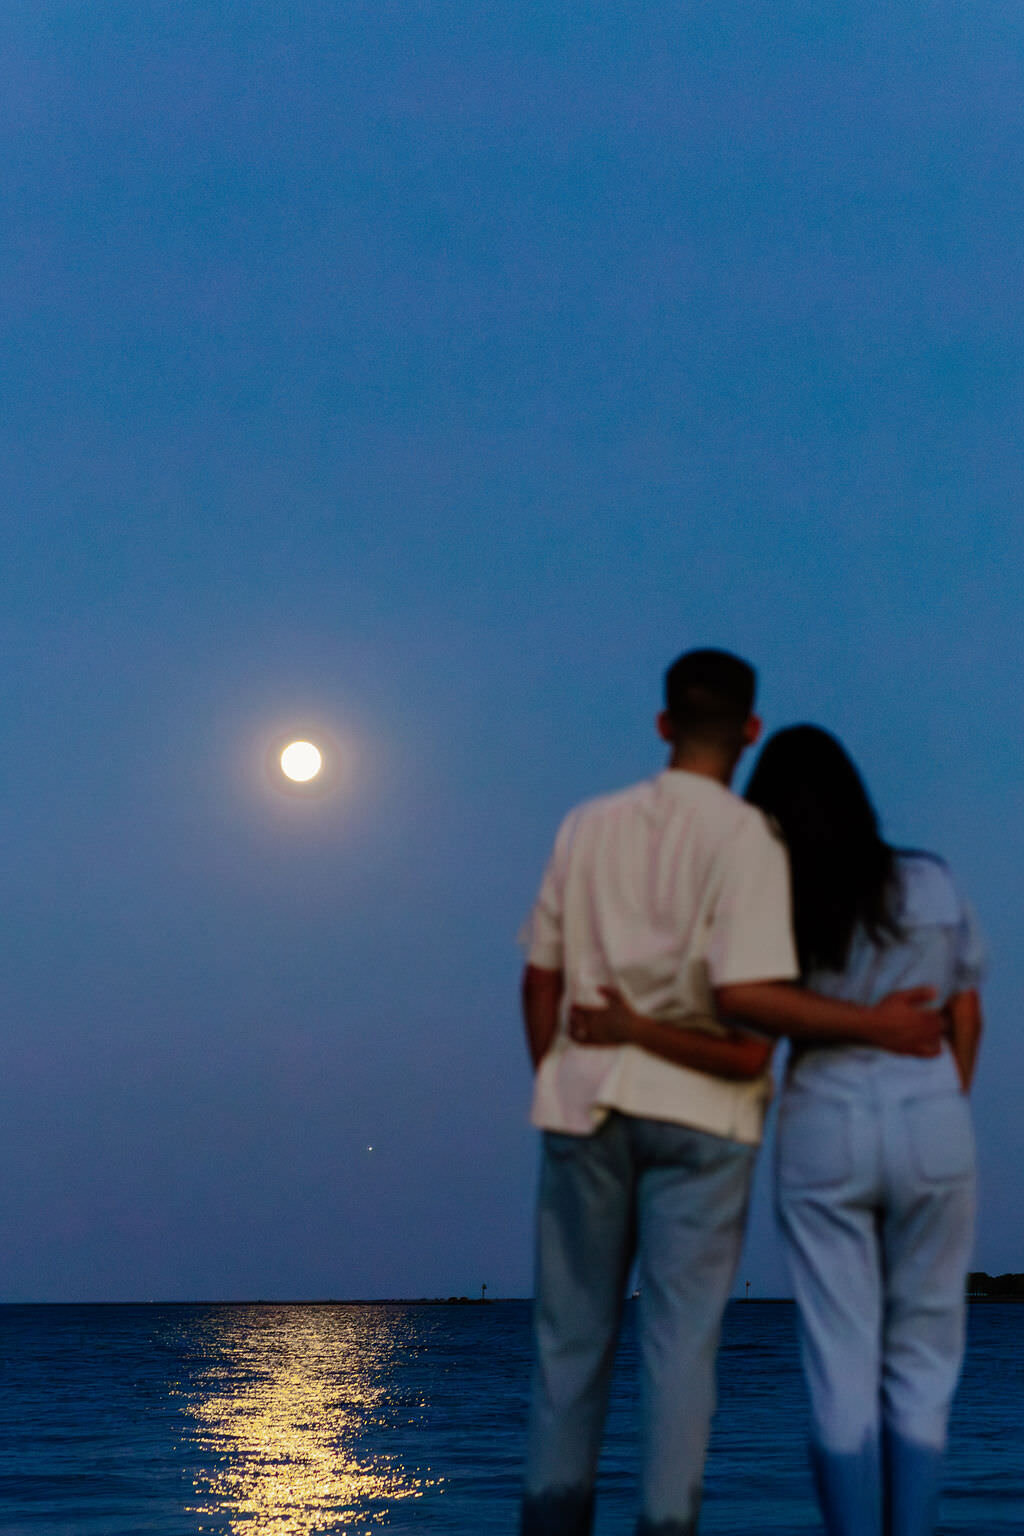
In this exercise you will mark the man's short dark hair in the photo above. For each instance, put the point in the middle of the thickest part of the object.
(709, 696)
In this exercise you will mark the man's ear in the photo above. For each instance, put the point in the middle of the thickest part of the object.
(751, 730)
(663, 721)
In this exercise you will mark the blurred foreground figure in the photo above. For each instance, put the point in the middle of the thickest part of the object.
(875, 1172)
(661, 904)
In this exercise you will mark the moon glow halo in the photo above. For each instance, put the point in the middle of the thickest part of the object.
(301, 761)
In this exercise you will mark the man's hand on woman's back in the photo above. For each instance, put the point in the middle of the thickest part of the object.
(908, 1024)
(902, 1022)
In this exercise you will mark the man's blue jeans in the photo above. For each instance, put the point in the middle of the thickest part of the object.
(674, 1199)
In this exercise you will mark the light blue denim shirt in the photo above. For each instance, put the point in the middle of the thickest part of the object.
(941, 946)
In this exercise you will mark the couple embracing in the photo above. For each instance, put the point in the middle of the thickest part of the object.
(678, 932)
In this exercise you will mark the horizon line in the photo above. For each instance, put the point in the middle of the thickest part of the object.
(321, 1301)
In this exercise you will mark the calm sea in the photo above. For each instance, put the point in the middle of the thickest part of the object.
(294, 1420)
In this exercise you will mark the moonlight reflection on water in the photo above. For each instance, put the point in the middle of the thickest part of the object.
(290, 1399)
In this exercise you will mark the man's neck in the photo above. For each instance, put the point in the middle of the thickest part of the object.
(707, 765)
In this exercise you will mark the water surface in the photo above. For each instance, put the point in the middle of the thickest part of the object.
(319, 1420)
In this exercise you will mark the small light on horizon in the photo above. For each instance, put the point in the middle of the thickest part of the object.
(301, 761)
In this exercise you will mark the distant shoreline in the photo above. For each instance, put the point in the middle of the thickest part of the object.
(297, 1301)
(426, 1301)
(379, 1301)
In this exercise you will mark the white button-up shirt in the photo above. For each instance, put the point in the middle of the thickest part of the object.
(665, 890)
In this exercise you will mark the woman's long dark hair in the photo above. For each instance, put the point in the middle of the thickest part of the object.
(843, 872)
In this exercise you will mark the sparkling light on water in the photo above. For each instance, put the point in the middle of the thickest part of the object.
(289, 1401)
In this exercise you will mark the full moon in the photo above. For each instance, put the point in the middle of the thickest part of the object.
(301, 761)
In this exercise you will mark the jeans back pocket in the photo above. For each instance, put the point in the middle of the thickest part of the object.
(940, 1136)
(813, 1149)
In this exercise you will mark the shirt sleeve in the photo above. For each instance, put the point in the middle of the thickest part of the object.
(751, 925)
(972, 952)
(541, 936)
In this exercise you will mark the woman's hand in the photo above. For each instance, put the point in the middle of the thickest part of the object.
(733, 1054)
(614, 1024)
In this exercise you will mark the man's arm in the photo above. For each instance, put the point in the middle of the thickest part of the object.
(750, 930)
(542, 996)
(901, 1022)
(963, 1013)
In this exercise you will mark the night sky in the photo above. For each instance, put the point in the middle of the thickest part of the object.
(423, 377)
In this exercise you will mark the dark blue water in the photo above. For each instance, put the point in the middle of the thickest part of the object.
(295, 1420)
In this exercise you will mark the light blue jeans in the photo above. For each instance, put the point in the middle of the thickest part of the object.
(674, 1199)
(875, 1192)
